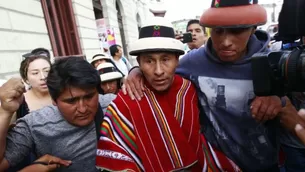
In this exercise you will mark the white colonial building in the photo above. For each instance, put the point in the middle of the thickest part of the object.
(65, 27)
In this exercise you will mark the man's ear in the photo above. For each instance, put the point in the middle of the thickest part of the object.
(138, 59)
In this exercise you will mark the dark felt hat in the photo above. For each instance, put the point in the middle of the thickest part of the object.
(234, 14)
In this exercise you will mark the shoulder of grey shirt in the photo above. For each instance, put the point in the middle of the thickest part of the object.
(52, 111)
(105, 99)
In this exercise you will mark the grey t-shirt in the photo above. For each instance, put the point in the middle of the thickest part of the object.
(45, 131)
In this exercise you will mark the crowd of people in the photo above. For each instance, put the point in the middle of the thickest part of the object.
(176, 111)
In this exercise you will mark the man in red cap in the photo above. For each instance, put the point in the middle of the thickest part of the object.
(245, 127)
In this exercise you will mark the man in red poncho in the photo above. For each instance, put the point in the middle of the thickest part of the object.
(161, 132)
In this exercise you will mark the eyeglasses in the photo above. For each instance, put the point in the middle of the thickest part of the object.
(40, 53)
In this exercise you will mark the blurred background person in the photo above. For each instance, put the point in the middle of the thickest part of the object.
(99, 59)
(111, 78)
(34, 69)
(198, 33)
(120, 61)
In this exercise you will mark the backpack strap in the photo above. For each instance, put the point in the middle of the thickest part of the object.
(124, 60)
(126, 63)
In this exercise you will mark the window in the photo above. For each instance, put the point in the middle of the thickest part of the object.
(98, 9)
(61, 26)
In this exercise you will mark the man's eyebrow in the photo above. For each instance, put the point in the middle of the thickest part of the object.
(89, 94)
(71, 98)
(78, 97)
(147, 56)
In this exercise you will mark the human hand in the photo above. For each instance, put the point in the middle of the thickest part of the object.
(289, 116)
(46, 163)
(134, 84)
(11, 95)
(266, 108)
(179, 36)
(299, 129)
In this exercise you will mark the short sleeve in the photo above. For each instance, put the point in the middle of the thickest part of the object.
(19, 142)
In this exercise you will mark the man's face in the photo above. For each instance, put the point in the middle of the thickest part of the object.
(158, 69)
(78, 106)
(198, 36)
(120, 52)
(231, 44)
(110, 87)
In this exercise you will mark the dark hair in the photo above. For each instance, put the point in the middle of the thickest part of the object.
(39, 51)
(24, 66)
(114, 49)
(71, 71)
(194, 21)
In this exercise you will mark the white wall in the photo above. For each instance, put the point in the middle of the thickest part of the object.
(129, 10)
(86, 25)
(22, 28)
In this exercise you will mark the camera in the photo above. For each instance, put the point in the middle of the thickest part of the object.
(281, 72)
(277, 73)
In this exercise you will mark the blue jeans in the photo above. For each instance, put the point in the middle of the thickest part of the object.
(295, 159)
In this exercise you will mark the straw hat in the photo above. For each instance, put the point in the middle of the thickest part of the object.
(99, 57)
(108, 72)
